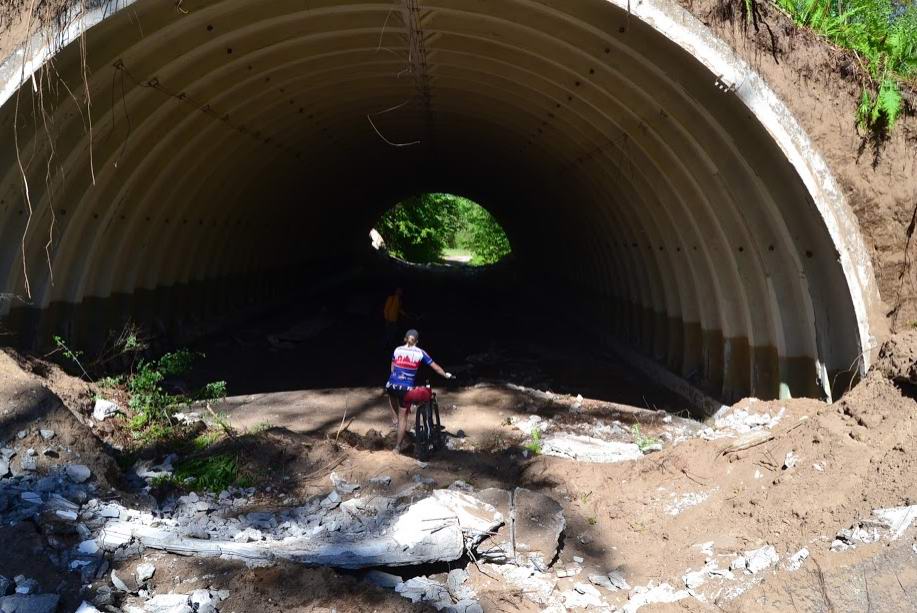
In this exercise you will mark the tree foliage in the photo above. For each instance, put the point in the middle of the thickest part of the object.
(421, 228)
(883, 36)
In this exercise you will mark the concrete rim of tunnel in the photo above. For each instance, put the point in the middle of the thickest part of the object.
(734, 75)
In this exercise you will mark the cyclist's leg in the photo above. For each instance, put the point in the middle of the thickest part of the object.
(403, 416)
(394, 404)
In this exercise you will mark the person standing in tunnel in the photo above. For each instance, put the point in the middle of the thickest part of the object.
(406, 361)
(393, 312)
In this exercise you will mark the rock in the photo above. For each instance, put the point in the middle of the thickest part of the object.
(42, 603)
(119, 583)
(381, 480)
(583, 596)
(31, 497)
(103, 596)
(5, 585)
(539, 522)
(26, 586)
(104, 409)
(202, 601)
(85, 607)
(790, 460)
(618, 580)
(589, 449)
(578, 559)
(613, 581)
(738, 563)
(22, 434)
(332, 500)
(341, 484)
(88, 547)
(760, 559)
(168, 603)
(144, 572)
(248, 535)
(650, 594)
(383, 579)
(422, 589)
(78, 473)
(455, 583)
(796, 560)
(4, 468)
(47, 434)
(28, 462)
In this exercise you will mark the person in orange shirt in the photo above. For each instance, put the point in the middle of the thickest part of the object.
(393, 312)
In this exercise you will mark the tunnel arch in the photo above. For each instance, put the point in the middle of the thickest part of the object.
(677, 193)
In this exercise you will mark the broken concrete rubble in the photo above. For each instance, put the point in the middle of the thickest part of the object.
(589, 449)
(103, 409)
(438, 528)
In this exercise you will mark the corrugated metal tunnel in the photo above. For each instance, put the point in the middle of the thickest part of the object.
(630, 155)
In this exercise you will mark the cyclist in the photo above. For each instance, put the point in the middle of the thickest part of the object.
(406, 360)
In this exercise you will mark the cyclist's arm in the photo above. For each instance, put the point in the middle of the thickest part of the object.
(436, 367)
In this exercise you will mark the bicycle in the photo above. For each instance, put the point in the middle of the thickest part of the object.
(429, 434)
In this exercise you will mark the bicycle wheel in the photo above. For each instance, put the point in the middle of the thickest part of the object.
(421, 433)
(439, 437)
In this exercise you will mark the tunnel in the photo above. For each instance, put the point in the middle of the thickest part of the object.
(168, 159)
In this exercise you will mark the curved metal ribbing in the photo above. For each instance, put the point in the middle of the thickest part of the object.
(631, 155)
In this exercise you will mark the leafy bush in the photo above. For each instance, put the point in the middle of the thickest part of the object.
(152, 405)
(883, 36)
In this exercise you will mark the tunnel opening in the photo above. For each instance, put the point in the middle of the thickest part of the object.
(439, 228)
(657, 193)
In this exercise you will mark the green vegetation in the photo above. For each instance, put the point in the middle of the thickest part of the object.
(641, 440)
(152, 405)
(213, 474)
(882, 34)
(534, 447)
(424, 228)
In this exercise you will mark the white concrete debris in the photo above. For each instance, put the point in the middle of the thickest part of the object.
(534, 585)
(381, 480)
(589, 449)
(530, 424)
(897, 519)
(452, 597)
(341, 484)
(641, 596)
(760, 559)
(583, 596)
(85, 607)
(686, 501)
(795, 561)
(376, 532)
(144, 572)
(740, 420)
(790, 460)
(694, 579)
(104, 409)
(148, 471)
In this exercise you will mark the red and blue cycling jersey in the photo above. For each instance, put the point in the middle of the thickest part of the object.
(406, 360)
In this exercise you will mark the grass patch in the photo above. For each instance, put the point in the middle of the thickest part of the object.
(534, 446)
(641, 440)
(213, 474)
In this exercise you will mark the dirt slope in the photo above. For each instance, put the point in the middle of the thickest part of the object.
(821, 86)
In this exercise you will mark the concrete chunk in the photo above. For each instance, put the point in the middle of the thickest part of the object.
(41, 603)
(538, 523)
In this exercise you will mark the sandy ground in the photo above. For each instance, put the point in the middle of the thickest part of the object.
(653, 520)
